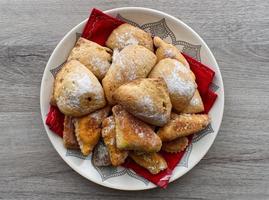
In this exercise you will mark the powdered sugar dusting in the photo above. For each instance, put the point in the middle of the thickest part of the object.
(195, 101)
(126, 39)
(99, 65)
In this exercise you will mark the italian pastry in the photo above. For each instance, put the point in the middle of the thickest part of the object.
(100, 157)
(165, 50)
(116, 155)
(127, 34)
(183, 125)
(179, 80)
(176, 145)
(134, 134)
(195, 105)
(153, 162)
(147, 99)
(88, 130)
(94, 56)
(77, 91)
(69, 138)
(133, 62)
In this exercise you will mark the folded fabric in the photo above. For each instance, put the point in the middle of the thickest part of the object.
(97, 29)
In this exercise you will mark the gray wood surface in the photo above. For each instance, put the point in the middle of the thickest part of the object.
(237, 165)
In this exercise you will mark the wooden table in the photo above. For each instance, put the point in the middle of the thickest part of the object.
(237, 165)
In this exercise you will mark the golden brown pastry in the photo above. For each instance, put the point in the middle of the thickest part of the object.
(133, 134)
(195, 105)
(88, 129)
(132, 62)
(127, 34)
(147, 99)
(69, 138)
(77, 91)
(94, 56)
(176, 145)
(183, 125)
(165, 50)
(153, 162)
(179, 80)
(117, 156)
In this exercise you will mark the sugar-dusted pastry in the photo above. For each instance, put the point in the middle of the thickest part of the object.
(153, 162)
(179, 80)
(183, 125)
(176, 145)
(134, 134)
(88, 129)
(100, 157)
(165, 50)
(69, 138)
(195, 105)
(127, 34)
(133, 62)
(77, 91)
(94, 56)
(117, 156)
(147, 99)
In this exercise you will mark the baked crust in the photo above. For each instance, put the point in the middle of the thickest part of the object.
(69, 137)
(176, 145)
(147, 99)
(195, 105)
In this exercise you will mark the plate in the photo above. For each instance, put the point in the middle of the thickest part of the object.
(171, 30)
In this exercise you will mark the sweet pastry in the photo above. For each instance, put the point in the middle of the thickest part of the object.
(94, 56)
(133, 134)
(133, 62)
(117, 156)
(100, 157)
(195, 105)
(153, 162)
(127, 34)
(165, 50)
(179, 80)
(147, 99)
(69, 138)
(183, 125)
(100, 114)
(176, 145)
(77, 91)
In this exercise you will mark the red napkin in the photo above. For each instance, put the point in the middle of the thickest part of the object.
(97, 29)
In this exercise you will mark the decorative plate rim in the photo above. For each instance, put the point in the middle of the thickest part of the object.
(164, 15)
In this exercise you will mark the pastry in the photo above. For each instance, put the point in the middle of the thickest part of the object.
(179, 80)
(153, 162)
(195, 105)
(69, 138)
(117, 156)
(133, 62)
(127, 34)
(94, 56)
(176, 145)
(147, 99)
(165, 50)
(100, 157)
(133, 134)
(183, 125)
(77, 91)
(88, 129)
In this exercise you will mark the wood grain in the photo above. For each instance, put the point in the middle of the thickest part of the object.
(237, 165)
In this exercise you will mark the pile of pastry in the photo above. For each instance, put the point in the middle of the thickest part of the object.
(136, 96)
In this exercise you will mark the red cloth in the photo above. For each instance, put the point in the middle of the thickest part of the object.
(97, 29)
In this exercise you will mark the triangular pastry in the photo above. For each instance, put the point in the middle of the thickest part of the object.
(134, 134)
(183, 125)
(195, 105)
(147, 99)
(100, 155)
(176, 145)
(77, 91)
(94, 56)
(133, 62)
(127, 34)
(179, 80)
(117, 156)
(153, 162)
(69, 138)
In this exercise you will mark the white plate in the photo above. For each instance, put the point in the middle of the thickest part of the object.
(172, 30)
